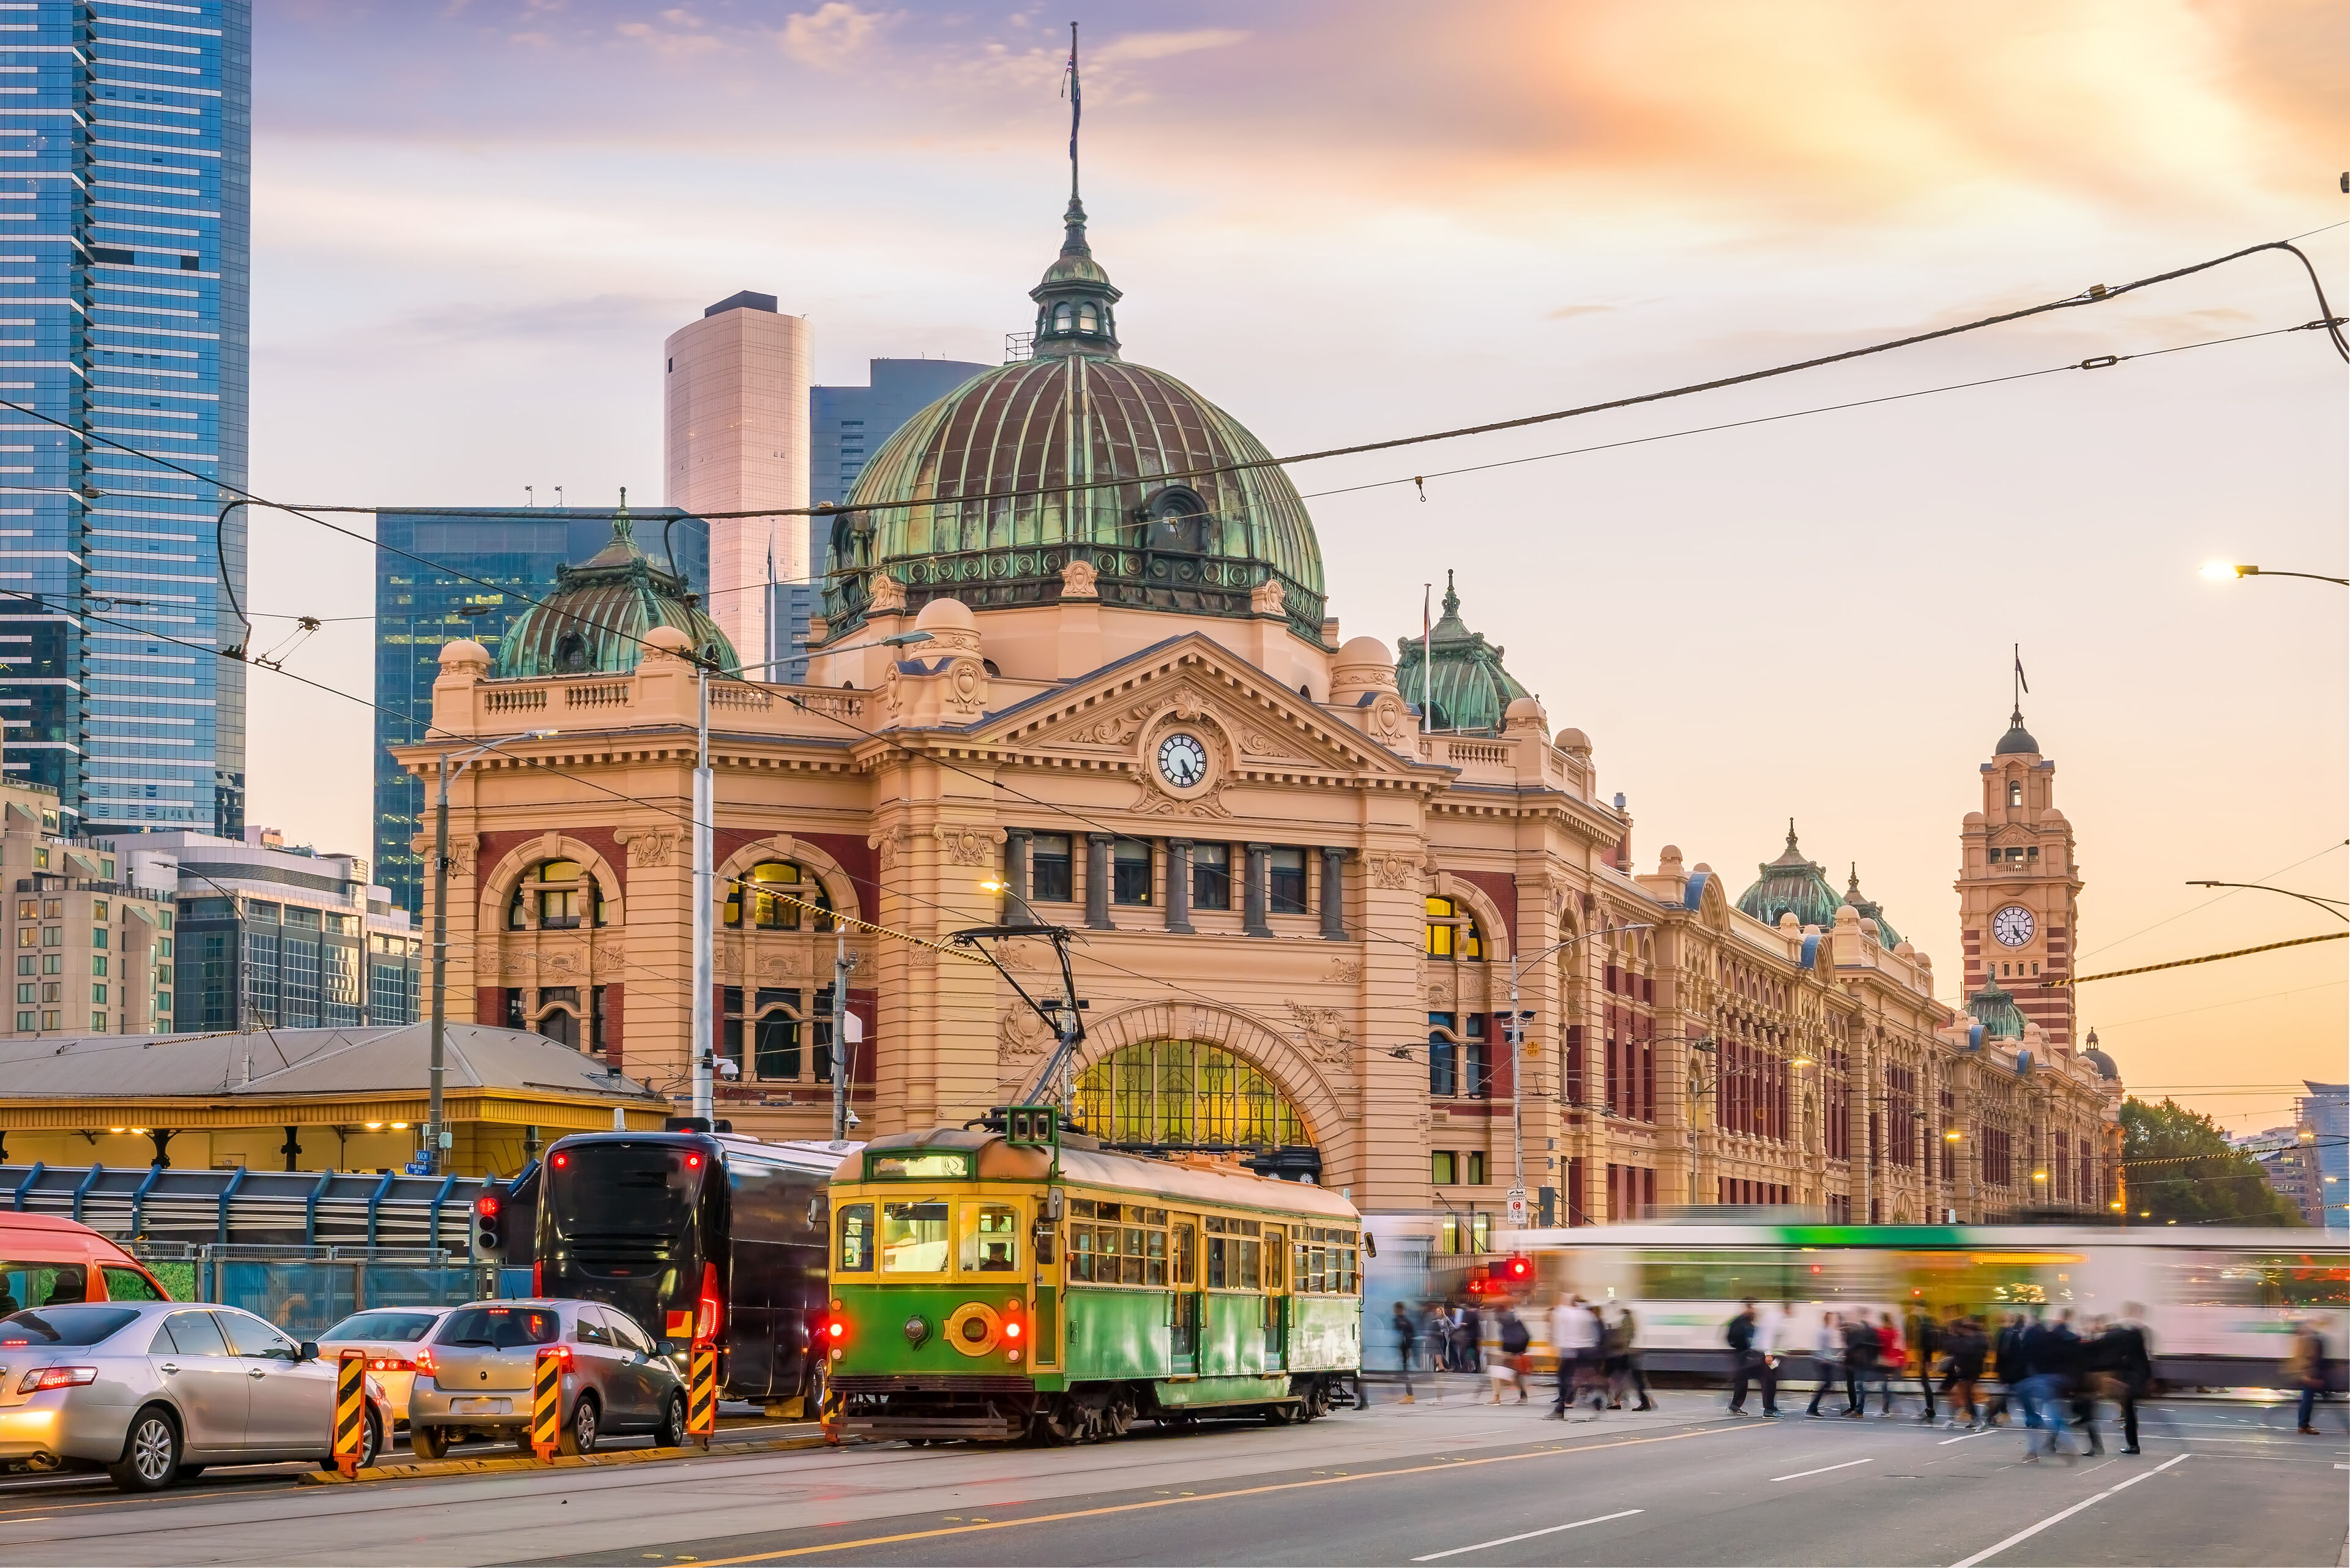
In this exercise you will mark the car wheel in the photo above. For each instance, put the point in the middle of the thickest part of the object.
(427, 1442)
(672, 1433)
(580, 1435)
(150, 1453)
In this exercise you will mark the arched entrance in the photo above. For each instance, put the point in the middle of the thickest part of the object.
(1169, 1095)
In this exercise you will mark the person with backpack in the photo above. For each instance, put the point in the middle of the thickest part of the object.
(1964, 1344)
(1511, 1366)
(1863, 1354)
(1407, 1335)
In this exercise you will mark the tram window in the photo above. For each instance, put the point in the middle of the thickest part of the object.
(1183, 1244)
(991, 1238)
(1218, 1268)
(918, 1166)
(1719, 1276)
(1275, 1252)
(1251, 1267)
(1154, 1258)
(857, 1239)
(913, 1238)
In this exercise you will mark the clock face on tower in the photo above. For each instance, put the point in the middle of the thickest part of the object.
(2013, 926)
(1182, 761)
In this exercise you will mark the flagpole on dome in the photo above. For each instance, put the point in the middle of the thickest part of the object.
(1076, 110)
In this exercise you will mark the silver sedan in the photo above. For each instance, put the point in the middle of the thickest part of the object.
(153, 1392)
(476, 1375)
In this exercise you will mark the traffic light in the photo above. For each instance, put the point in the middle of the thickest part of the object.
(1518, 1271)
(489, 1211)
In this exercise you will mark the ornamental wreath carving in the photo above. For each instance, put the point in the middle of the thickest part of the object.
(648, 846)
(1393, 872)
(562, 961)
(1022, 1033)
(890, 846)
(1077, 581)
(1344, 971)
(1389, 724)
(970, 846)
(1328, 1038)
(886, 593)
(1269, 598)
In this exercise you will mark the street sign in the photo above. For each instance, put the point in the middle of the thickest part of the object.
(1517, 1208)
(420, 1167)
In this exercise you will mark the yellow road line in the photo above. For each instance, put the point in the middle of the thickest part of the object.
(1208, 1497)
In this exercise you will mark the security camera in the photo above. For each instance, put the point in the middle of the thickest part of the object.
(728, 1068)
(853, 1121)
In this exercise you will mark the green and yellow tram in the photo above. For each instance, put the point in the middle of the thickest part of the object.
(993, 1286)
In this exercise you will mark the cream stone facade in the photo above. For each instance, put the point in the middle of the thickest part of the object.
(1120, 699)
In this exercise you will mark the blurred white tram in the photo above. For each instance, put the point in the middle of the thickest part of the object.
(2219, 1304)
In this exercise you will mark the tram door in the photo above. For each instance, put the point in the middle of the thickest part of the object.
(1276, 1298)
(1183, 1298)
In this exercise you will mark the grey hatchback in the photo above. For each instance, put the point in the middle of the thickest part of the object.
(474, 1377)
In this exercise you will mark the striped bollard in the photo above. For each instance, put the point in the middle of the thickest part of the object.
(350, 1411)
(546, 1404)
(701, 1394)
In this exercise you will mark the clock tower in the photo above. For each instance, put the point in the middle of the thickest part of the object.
(2019, 886)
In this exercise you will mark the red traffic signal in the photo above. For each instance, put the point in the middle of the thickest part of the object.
(1519, 1270)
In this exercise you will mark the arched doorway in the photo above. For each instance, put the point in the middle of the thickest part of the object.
(1169, 1096)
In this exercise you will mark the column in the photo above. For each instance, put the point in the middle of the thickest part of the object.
(1179, 885)
(1015, 877)
(1097, 881)
(1334, 895)
(1252, 900)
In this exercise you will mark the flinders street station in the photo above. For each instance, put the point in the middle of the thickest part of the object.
(1075, 667)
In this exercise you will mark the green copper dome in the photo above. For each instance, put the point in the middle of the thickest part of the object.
(1465, 688)
(1887, 936)
(595, 621)
(1995, 1010)
(1076, 455)
(1792, 883)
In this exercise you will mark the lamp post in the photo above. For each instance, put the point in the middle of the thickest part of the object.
(704, 1043)
(436, 1138)
(2222, 571)
(2334, 907)
(1517, 1021)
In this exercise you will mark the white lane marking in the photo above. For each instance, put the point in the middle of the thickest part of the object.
(1824, 1469)
(1962, 1437)
(2028, 1532)
(1529, 1535)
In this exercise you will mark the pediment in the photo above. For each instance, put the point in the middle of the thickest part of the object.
(1265, 730)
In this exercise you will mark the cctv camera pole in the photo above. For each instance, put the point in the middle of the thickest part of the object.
(704, 1036)
(839, 1033)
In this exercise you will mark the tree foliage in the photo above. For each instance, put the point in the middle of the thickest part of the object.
(2200, 1179)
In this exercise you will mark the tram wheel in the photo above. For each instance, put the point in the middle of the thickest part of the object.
(1284, 1414)
(1118, 1416)
(1057, 1423)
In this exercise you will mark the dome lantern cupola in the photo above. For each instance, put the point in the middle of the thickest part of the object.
(597, 620)
(1457, 674)
(1073, 300)
(1792, 884)
(1886, 937)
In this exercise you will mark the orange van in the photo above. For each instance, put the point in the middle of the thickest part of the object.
(48, 1261)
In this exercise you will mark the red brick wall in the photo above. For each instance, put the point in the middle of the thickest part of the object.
(1502, 888)
(497, 845)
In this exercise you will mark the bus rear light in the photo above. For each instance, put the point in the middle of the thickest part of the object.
(560, 1161)
(694, 1162)
(537, 1277)
(707, 1313)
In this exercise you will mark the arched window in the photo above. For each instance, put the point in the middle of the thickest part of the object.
(570, 653)
(1061, 317)
(1175, 518)
(568, 898)
(1184, 1093)
(562, 1026)
(2015, 792)
(775, 892)
(1453, 932)
(1088, 318)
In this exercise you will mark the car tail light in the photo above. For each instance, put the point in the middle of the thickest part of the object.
(57, 1377)
(539, 1277)
(561, 1353)
(424, 1368)
(707, 1313)
(390, 1364)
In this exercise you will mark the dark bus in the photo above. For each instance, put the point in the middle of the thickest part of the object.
(697, 1236)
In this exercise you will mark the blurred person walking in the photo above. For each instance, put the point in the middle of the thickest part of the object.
(1924, 1342)
(1407, 1346)
(1748, 1348)
(1574, 1335)
(1966, 1347)
(2130, 1358)
(1828, 1363)
(2304, 1371)
(1510, 1366)
(1624, 1369)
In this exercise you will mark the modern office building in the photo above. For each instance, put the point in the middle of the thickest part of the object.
(91, 940)
(124, 292)
(2322, 1118)
(734, 396)
(487, 567)
(272, 937)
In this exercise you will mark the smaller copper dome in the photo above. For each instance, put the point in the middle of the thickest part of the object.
(596, 620)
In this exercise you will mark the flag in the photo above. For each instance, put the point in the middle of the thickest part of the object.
(1070, 91)
(2020, 680)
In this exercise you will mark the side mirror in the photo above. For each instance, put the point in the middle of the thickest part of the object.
(309, 1350)
(1053, 1205)
(1371, 1245)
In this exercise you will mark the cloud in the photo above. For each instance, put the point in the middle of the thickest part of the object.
(1565, 312)
(1160, 45)
(826, 37)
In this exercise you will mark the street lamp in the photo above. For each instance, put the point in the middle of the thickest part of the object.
(2334, 907)
(704, 1043)
(436, 1136)
(1516, 1026)
(2221, 572)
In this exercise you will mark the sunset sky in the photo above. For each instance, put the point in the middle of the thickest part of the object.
(475, 223)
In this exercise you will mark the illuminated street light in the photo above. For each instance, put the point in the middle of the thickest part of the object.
(2222, 571)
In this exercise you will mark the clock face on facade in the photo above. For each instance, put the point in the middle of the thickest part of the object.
(1182, 761)
(2013, 926)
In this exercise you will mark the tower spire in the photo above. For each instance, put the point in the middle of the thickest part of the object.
(1074, 301)
(1076, 110)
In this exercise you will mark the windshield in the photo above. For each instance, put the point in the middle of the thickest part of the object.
(498, 1328)
(624, 1191)
(913, 1238)
(63, 1325)
(398, 1327)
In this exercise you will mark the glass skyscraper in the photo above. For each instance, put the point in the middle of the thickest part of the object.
(125, 225)
(420, 608)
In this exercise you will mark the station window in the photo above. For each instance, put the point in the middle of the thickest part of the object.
(1444, 1167)
(1211, 876)
(1451, 932)
(1051, 877)
(776, 893)
(1130, 872)
(1288, 882)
